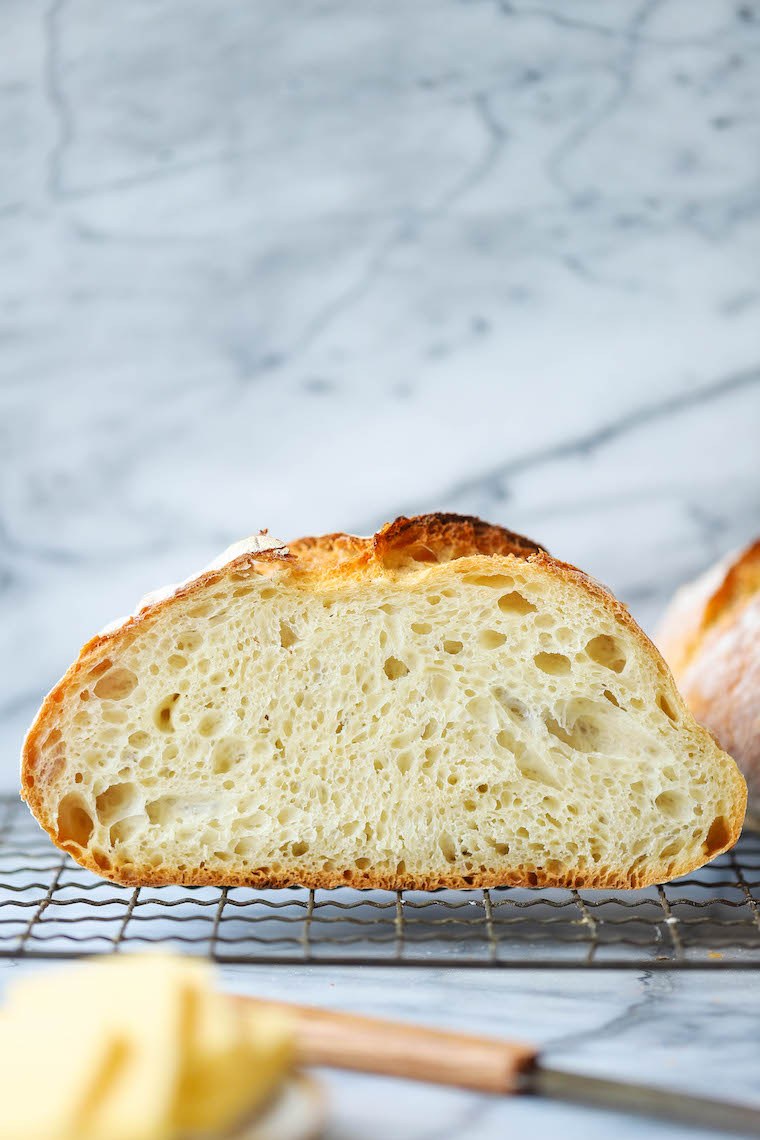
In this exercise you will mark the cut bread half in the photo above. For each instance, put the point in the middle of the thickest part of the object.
(440, 705)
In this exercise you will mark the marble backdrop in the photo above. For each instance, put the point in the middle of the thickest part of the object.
(308, 265)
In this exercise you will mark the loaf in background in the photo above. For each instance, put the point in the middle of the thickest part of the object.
(710, 636)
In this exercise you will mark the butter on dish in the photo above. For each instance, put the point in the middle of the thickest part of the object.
(139, 1048)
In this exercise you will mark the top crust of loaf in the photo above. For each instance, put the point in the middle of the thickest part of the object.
(316, 563)
(424, 538)
(405, 543)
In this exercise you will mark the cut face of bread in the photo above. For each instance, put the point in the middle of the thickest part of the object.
(440, 705)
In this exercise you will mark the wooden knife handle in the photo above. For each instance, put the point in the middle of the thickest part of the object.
(371, 1045)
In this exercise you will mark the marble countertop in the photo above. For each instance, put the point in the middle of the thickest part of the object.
(680, 1031)
(308, 266)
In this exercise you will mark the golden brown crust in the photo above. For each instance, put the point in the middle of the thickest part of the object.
(410, 541)
(443, 538)
(317, 563)
(711, 637)
(600, 878)
(320, 551)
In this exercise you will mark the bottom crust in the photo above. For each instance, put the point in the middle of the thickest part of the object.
(601, 878)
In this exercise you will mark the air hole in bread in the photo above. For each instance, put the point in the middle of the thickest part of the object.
(101, 859)
(432, 756)
(162, 810)
(452, 646)
(420, 553)
(607, 651)
(189, 641)
(421, 627)
(581, 728)
(515, 603)
(516, 709)
(673, 804)
(75, 824)
(718, 836)
(125, 829)
(226, 753)
(533, 767)
(115, 716)
(393, 669)
(177, 661)
(493, 581)
(115, 800)
(116, 684)
(246, 847)
(162, 716)
(555, 664)
(440, 686)
(210, 724)
(491, 638)
(447, 846)
(675, 847)
(287, 636)
(664, 704)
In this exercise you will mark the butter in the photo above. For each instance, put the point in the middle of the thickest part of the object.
(139, 1048)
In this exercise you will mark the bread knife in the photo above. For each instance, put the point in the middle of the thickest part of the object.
(483, 1064)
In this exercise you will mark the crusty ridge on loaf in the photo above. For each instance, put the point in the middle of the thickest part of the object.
(442, 704)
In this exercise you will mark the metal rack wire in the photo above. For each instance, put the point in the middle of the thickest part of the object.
(51, 908)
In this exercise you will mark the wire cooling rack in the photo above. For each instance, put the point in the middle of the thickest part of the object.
(51, 908)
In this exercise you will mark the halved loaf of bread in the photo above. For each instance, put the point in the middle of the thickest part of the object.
(440, 705)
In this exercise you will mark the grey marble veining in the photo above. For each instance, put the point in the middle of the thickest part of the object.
(311, 265)
(676, 1031)
(308, 266)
